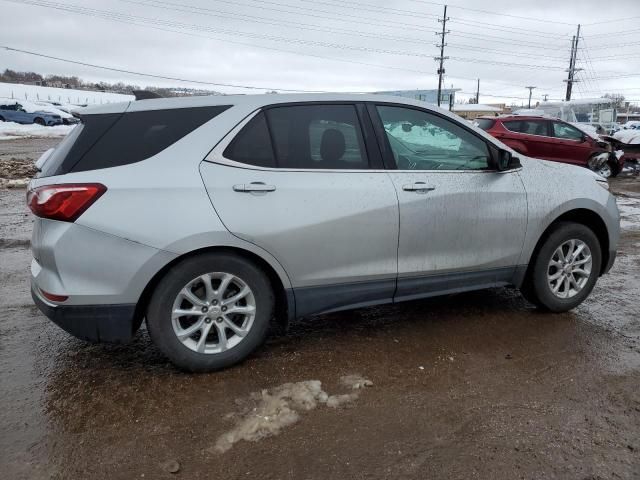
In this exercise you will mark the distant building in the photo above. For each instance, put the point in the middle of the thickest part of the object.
(471, 111)
(447, 95)
(624, 117)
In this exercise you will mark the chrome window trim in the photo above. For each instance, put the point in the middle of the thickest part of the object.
(216, 156)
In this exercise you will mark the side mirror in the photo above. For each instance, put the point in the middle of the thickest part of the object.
(506, 161)
(406, 127)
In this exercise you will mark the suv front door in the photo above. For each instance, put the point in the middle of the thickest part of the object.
(570, 144)
(304, 183)
(462, 224)
(533, 134)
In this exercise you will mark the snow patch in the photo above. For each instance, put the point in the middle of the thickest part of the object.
(629, 213)
(11, 131)
(281, 406)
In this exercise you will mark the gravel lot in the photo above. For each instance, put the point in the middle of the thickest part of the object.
(476, 385)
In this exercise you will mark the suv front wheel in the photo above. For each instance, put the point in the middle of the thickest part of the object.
(210, 311)
(565, 268)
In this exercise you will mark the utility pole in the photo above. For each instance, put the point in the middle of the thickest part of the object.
(530, 92)
(545, 96)
(478, 93)
(441, 58)
(572, 64)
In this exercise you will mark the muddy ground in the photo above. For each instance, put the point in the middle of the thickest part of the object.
(477, 385)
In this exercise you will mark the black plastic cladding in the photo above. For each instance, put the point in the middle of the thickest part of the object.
(112, 140)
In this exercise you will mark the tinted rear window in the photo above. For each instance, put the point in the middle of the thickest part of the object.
(485, 123)
(112, 140)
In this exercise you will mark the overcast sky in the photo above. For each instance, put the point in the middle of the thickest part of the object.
(333, 45)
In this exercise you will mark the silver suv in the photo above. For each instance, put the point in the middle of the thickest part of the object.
(211, 217)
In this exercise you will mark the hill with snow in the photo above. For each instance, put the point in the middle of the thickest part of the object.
(34, 93)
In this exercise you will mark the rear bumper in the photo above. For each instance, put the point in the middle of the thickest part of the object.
(95, 323)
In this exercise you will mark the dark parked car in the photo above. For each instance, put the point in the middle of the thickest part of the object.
(552, 139)
(14, 112)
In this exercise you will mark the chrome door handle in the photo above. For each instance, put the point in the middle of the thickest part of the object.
(254, 187)
(419, 187)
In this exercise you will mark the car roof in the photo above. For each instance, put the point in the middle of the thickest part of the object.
(253, 101)
(518, 117)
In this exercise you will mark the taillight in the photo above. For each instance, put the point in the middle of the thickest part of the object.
(65, 202)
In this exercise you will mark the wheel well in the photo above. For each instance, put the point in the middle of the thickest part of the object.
(589, 219)
(281, 313)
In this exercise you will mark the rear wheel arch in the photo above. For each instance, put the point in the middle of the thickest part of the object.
(282, 308)
(583, 216)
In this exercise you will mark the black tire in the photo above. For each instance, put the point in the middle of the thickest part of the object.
(615, 168)
(1, 119)
(39, 121)
(536, 287)
(159, 323)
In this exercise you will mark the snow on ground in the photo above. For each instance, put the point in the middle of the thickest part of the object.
(629, 213)
(281, 406)
(631, 137)
(11, 130)
(34, 93)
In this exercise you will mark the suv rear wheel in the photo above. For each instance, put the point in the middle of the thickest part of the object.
(565, 269)
(210, 311)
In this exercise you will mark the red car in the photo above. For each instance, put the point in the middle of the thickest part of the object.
(552, 139)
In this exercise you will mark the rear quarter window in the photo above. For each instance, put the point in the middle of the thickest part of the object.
(485, 123)
(112, 140)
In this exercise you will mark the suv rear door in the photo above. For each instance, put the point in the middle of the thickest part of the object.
(462, 224)
(533, 134)
(305, 183)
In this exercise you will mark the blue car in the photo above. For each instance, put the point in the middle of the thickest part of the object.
(14, 112)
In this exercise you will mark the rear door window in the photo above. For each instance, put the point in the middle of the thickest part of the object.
(529, 127)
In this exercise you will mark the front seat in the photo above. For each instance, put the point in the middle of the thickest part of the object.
(332, 148)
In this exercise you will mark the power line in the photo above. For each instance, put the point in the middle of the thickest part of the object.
(507, 29)
(623, 32)
(276, 38)
(266, 21)
(508, 64)
(503, 52)
(614, 20)
(532, 19)
(163, 77)
(492, 38)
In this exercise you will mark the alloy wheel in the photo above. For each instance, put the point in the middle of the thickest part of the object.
(569, 269)
(213, 312)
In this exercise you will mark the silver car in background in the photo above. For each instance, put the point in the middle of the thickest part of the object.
(212, 217)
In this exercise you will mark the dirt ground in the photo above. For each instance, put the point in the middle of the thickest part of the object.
(477, 385)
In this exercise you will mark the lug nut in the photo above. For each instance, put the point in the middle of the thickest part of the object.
(219, 319)
(215, 302)
(224, 309)
(204, 309)
(207, 320)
